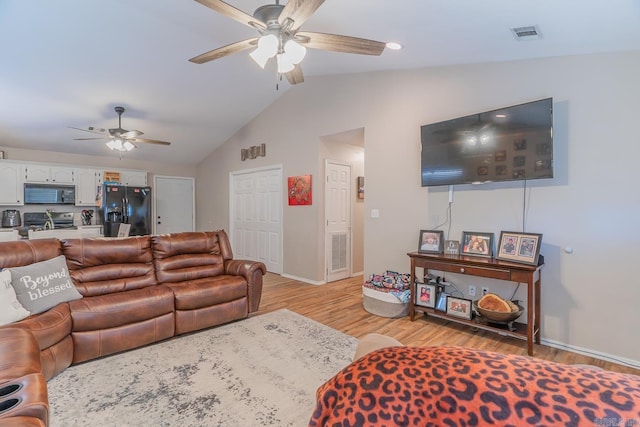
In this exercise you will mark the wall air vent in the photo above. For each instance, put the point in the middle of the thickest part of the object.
(527, 33)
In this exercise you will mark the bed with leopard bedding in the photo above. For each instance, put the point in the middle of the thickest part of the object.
(455, 386)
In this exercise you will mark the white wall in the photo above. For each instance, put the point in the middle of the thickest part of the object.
(589, 296)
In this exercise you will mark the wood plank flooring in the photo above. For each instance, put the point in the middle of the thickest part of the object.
(339, 305)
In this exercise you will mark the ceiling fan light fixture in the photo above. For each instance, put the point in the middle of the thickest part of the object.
(128, 146)
(267, 48)
(284, 63)
(294, 51)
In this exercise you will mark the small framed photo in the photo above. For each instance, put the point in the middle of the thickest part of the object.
(519, 247)
(459, 307)
(475, 243)
(500, 156)
(451, 247)
(425, 295)
(520, 144)
(431, 241)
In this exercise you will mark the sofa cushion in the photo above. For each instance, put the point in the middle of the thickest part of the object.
(43, 285)
(49, 327)
(10, 308)
(120, 308)
(19, 354)
(105, 266)
(191, 295)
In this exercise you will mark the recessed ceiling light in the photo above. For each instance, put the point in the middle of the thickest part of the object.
(501, 116)
(394, 46)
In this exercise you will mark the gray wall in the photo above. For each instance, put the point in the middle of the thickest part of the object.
(591, 205)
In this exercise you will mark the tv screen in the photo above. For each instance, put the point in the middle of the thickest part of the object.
(511, 143)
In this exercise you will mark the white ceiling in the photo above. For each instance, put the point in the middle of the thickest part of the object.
(70, 62)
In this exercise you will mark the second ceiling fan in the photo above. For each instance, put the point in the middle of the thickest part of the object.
(280, 36)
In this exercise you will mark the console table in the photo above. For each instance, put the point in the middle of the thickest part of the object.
(490, 268)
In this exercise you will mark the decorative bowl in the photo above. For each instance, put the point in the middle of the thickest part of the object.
(498, 316)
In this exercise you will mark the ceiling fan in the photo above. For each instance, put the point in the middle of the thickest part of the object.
(119, 139)
(280, 36)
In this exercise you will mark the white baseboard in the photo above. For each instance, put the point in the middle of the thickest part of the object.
(302, 279)
(360, 273)
(592, 353)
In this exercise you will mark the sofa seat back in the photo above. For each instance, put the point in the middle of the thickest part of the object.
(101, 266)
(189, 256)
(25, 252)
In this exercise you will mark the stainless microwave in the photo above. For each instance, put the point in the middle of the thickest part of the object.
(47, 194)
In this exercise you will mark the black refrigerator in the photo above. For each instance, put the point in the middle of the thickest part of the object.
(125, 205)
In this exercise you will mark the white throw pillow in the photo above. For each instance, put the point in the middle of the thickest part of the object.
(10, 308)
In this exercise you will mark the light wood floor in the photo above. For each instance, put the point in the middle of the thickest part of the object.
(339, 305)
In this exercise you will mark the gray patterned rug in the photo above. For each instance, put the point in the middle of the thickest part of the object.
(261, 371)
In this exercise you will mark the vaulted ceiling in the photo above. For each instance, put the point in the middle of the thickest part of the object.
(68, 63)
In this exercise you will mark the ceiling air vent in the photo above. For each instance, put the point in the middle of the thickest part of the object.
(527, 33)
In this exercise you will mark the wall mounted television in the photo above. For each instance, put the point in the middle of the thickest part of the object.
(507, 144)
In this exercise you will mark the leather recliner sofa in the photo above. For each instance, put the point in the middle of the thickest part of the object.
(135, 291)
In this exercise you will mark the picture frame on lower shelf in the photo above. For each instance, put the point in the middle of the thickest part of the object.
(459, 307)
(518, 247)
(425, 295)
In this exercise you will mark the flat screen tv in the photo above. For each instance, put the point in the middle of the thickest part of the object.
(507, 144)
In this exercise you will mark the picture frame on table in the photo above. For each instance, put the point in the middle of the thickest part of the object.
(459, 307)
(518, 247)
(476, 244)
(431, 242)
(451, 247)
(425, 295)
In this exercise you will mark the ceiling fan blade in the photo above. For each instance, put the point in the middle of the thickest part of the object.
(149, 141)
(295, 76)
(298, 11)
(233, 13)
(88, 139)
(338, 43)
(131, 134)
(225, 50)
(91, 129)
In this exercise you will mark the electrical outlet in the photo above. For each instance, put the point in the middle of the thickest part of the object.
(485, 290)
(472, 291)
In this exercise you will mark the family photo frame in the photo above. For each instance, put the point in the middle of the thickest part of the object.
(431, 242)
(519, 247)
(459, 307)
(476, 244)
(425, 295)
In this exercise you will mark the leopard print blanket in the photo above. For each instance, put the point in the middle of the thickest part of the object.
(454, 386)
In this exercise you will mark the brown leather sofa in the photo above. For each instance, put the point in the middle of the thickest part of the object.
(136, 291)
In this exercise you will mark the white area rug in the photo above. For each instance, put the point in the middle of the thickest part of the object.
(261, 371)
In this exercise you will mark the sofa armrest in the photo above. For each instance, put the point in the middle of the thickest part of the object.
(252, 271)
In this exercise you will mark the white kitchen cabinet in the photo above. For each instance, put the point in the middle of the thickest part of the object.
(87, 183)
(48, 174)
(133, 179)
(11, 184)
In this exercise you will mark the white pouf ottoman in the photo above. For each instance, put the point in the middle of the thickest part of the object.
(386, 295)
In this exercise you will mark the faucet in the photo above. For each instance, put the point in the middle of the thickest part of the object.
(48, 225)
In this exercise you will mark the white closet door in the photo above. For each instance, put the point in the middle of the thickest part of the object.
(256, 217)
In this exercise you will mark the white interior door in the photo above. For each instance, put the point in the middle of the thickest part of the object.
(174, 202)
(256, 216)
(338, 214)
